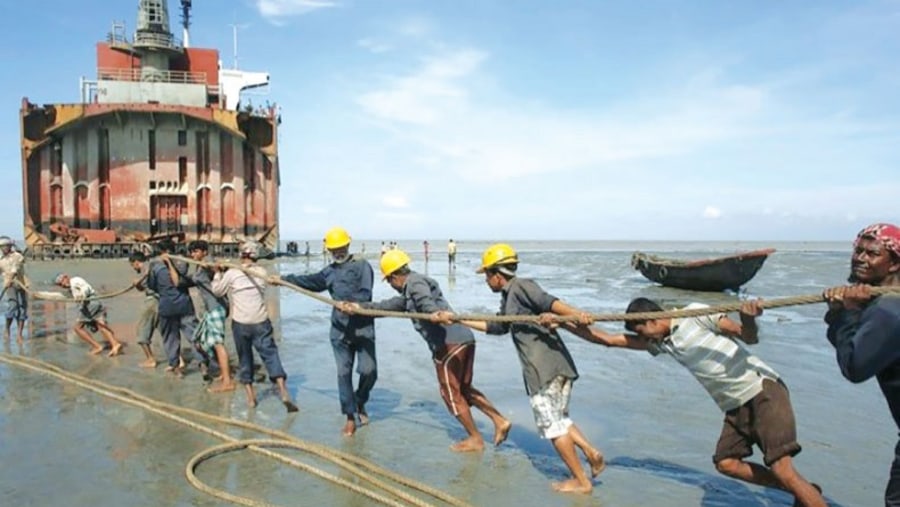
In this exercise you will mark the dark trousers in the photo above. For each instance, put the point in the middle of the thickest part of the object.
(261, 337)
(892, 494)
(171, 329)
(345, 352)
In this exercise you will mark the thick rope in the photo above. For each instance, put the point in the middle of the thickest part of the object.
(62, 298)
(355, 465)
(602, 317)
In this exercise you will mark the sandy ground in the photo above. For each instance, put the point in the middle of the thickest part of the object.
(65, 446)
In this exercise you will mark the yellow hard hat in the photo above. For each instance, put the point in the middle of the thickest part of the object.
(392, 260)
(336, 237)
(498, 254)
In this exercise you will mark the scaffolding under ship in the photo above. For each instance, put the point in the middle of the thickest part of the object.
(159, 146)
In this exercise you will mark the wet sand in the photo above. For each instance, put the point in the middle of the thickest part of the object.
(65, 446)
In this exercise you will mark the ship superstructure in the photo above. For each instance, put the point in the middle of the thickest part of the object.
(159, 145)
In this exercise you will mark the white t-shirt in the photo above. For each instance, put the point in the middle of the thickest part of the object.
(80, 289)
(246, 294)
(728, 371)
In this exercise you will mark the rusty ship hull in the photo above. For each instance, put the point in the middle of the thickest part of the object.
(157, 147)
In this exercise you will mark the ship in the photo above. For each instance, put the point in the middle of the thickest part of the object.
(158, 146)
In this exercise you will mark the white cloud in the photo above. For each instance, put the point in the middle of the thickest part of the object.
(374, 46)
(426, 96)
(395, 201)
(276, 10)
(441, 107)
(712, 212)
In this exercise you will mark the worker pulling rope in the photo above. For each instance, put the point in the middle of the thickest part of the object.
(603, 317)
(359, 467)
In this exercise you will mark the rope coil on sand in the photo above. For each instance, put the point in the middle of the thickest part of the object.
(363, 470)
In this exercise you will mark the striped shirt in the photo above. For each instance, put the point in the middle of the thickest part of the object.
(727, 370)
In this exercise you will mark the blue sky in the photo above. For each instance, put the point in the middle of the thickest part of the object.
(526, 119)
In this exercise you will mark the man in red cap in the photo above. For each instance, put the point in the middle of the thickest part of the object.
(865, 329)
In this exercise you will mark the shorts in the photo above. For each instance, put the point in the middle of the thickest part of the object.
(767, 420)
(91, 313)
(16, 304)
(551, 408)
(454, 372)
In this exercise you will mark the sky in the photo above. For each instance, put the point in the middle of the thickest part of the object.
(526, 119)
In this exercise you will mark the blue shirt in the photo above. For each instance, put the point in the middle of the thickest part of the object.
(174, 300)
(350, 280)
(867, 343)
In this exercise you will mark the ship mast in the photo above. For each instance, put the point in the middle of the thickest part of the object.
(185, 23)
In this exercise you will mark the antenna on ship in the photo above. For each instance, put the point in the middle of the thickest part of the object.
(186, 22)
(234, 37)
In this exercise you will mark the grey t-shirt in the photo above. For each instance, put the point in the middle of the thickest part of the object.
(422, 294)
(542, 353)
(202, 278)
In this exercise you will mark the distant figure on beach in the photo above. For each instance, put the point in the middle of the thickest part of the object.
(176, 310)
(547, 367)
(92, 314)
(148, 319)
(451, 255)
(12, 266)
(425, 248)
(306, 250)
(250, 324)
(452, 347)
(752, 395)
(865, 329)
(352, 337)
(209, 336)
(384, 248)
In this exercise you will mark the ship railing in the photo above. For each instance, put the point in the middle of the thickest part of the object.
(155, 39)
(160, 76)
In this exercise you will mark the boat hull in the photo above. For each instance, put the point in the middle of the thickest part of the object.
(710, 275)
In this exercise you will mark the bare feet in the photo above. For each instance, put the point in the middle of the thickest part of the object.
(181, 363)
(149, 363)
(349, 428)
(115, 351)
(96, 351)
(289, 405)
(598, 464)
(363, 415)
(572, 486)
(178, 371)
(501, 431)
(222, 387)
(470, 444)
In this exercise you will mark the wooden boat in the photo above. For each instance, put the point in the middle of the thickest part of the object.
(715, 274)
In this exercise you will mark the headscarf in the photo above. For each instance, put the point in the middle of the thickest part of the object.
(887, 234)
(59, 278)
